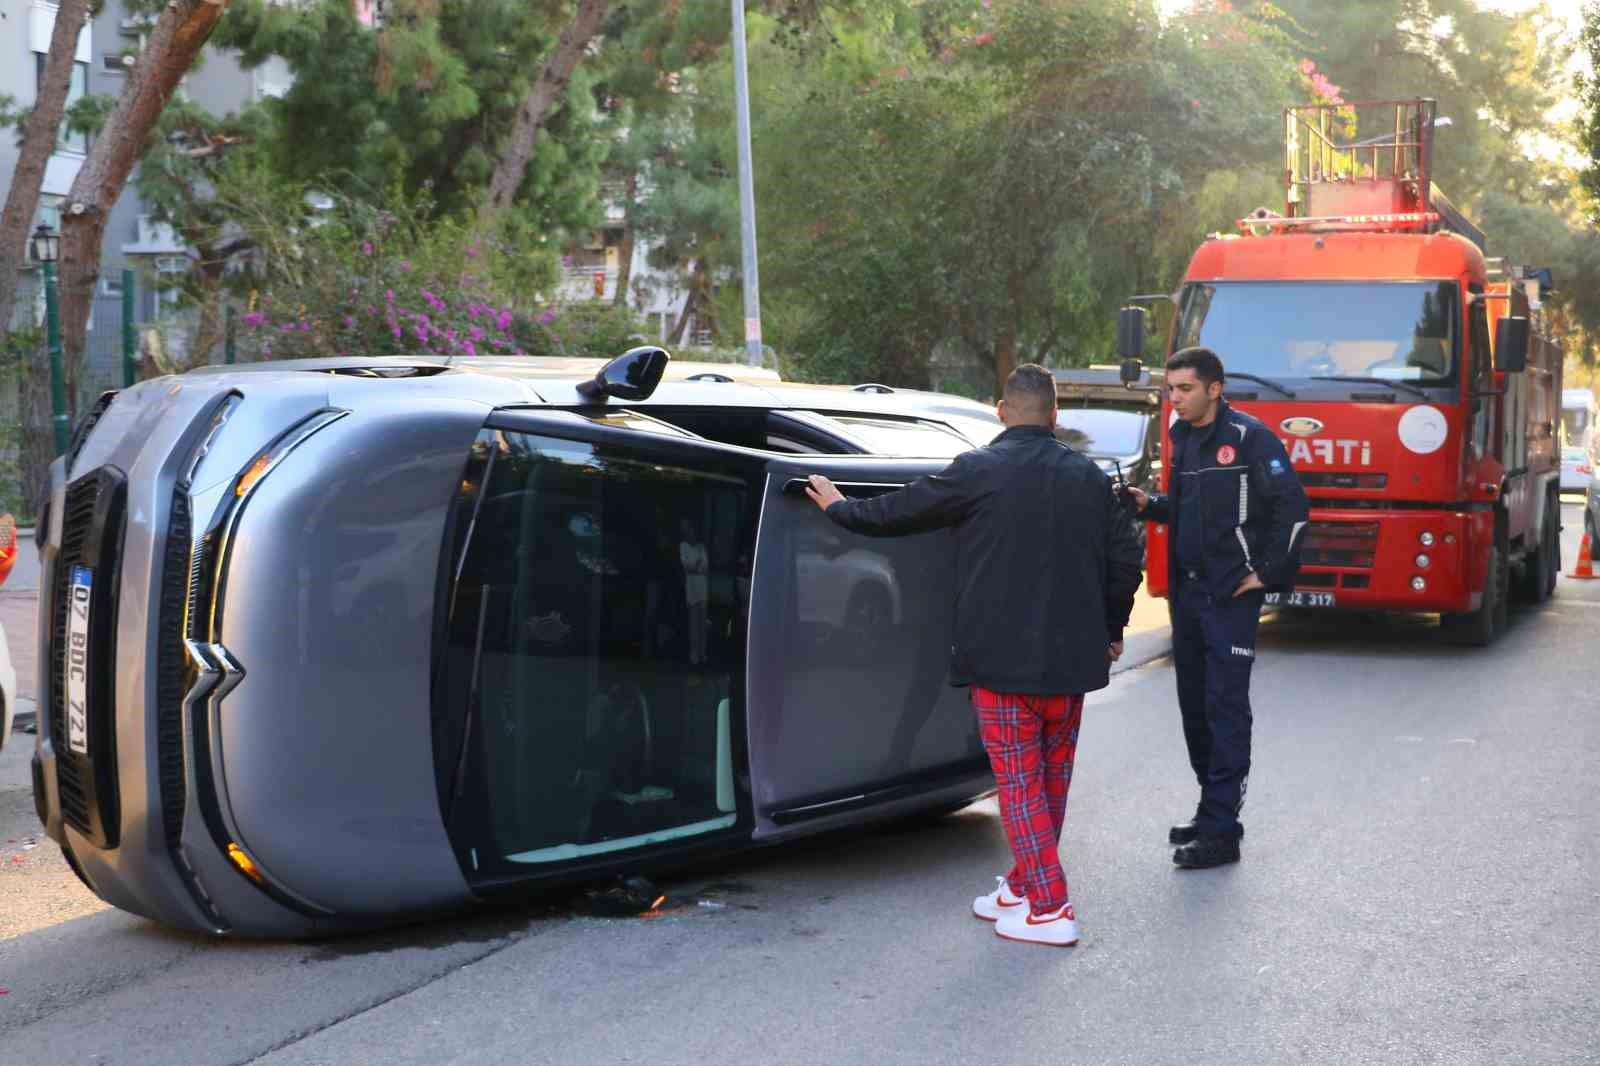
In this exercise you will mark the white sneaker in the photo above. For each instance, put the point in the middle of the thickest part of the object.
(998, 902)
(1058, 928)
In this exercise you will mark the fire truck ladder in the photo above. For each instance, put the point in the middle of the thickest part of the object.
(1336, 180)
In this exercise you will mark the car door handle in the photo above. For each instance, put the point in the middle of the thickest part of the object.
(796, 486)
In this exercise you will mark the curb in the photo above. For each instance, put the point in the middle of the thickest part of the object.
(1142, 649)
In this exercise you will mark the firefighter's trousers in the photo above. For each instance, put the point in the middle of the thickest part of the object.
(1213, 649)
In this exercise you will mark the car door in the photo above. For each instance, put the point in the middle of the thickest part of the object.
(850, 710)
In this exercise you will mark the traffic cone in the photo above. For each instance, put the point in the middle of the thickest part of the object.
(1585, 567)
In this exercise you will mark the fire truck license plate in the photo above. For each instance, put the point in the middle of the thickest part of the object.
(1301, 598)
(77, 659)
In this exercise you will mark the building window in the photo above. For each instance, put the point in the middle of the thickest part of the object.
(67, 141)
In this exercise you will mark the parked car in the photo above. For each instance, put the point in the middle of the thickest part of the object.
(1576, 469)
(331, 643)
(1115, 425)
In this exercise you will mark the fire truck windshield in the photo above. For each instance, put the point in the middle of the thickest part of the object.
(1395, 331)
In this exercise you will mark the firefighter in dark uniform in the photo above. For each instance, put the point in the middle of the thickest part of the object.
(1234, 513)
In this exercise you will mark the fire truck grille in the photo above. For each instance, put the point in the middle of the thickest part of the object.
(1343, 544)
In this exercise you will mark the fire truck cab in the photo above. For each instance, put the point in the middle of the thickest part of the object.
(1411, 379)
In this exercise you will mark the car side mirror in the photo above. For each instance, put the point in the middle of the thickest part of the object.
(1130, 343)
(1511, 345)
(633, 375)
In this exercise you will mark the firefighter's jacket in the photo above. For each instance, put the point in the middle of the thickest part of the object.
(1252, 508)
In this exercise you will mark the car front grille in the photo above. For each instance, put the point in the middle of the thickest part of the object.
(92, 519)
(1345, 544)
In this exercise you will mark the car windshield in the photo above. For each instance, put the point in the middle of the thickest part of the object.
(593, 647)
(888, 436)
(1100, 432)
(1572, 455)
(1401, 331)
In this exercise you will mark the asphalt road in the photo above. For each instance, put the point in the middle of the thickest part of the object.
(1420, 885)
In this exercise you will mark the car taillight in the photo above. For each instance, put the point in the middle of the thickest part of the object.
(1585, 468)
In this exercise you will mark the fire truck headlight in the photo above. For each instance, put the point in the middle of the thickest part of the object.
(1423, 561)
(1426, 539)
(1418, 584)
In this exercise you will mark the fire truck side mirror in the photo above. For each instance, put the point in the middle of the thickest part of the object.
(1130, 343)
(1511, 345)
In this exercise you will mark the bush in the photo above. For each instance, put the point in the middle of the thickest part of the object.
(371, 281)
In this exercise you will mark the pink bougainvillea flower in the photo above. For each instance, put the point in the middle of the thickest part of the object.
(366, 247)
(469, 348)
(547, 318)
(388, 295)
(1307, 67)
(983, 39)
(503, 321)
(254, 318)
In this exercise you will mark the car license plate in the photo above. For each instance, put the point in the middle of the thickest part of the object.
(79, 591)
(1301, 598)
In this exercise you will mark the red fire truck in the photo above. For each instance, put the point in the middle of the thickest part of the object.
(1413, 381)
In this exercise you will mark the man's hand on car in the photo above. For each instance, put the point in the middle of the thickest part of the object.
(1114, 650)
(1251, 583)
(822, 491)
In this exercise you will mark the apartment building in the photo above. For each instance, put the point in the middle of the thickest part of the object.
(105, 52)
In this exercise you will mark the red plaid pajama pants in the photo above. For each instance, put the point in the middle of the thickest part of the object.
(1031, 741)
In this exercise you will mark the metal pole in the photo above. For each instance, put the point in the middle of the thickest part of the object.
(58, 381)
(747, 194)
(229, 351)
(130, 339)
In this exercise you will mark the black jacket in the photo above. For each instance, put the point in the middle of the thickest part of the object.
(1047, 562)
(1252, 508)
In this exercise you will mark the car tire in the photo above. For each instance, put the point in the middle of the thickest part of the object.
(1479, 628)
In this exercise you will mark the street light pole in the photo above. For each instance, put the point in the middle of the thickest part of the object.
(46, 247)
(747, 193)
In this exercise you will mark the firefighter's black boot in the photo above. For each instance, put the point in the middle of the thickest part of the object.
(1207, 851)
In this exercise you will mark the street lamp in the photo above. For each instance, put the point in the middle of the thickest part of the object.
(747, 193)
(47, 249)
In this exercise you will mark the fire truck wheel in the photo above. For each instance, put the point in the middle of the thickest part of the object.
(1479, 628)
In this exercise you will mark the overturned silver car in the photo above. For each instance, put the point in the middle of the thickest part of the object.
(328, 644)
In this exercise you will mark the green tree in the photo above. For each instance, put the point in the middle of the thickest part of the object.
(981, 184)
(425, 101)
(1588, 88)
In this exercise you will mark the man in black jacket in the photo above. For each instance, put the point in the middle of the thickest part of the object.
(1234, 517)
(1047, 563)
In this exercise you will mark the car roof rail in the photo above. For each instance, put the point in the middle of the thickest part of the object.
(871, 386)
